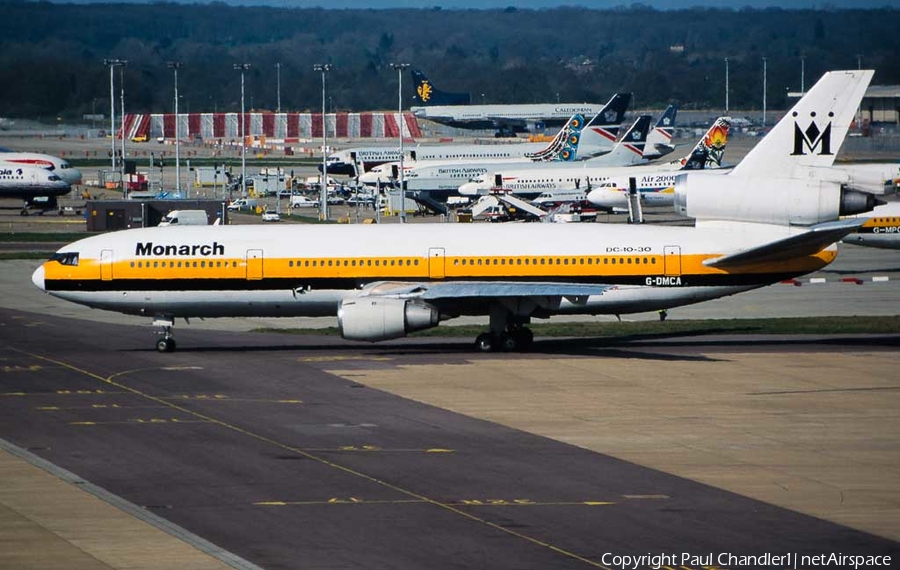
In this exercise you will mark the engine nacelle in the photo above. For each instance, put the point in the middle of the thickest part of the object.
(779, 201)
(384, 318)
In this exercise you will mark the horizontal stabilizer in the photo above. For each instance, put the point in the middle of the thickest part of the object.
(806, 243)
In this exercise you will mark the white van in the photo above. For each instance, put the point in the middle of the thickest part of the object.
(242, 204)
(185, 218)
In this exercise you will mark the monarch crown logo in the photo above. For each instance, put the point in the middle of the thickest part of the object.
(812, 138)
(424, 91)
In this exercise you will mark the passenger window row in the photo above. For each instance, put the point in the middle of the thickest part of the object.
(354, 263)
(557, 261)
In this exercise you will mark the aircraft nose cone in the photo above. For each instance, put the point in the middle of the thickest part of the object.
(38, 278)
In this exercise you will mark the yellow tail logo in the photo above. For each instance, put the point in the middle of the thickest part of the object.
(424, 91)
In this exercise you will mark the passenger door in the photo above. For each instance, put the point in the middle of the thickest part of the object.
(254, 264)
(436, 263)
(106, 265)
(672, 255)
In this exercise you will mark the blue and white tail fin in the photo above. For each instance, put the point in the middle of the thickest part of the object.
(630, 149)
(426, 94)
(710, 150)
(564, 146)
(600, 134)
(659, 141)
(810, 134)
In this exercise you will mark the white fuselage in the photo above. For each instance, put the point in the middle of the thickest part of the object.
(20, 181)
(58, 166)
(308, 270)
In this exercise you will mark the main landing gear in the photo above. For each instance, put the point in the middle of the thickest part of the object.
(514, 339)
(508, 331)
(165, 342)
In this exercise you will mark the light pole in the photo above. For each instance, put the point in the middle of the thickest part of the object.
(122, 109)
(726, 86)
(113, 63)
(764, 93)
(175, 66)
(802, 75)
(242, 67)
(400, 67)
(323, 68)
(278, 85)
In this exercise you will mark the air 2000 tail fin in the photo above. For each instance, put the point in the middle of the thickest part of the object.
(708, 152)
(427, 95)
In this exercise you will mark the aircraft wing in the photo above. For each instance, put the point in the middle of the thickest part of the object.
(807, 243)
(471, 290)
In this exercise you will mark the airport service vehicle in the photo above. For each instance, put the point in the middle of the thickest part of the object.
(271, 216)
(185, 218)
(774, 217)
(303, 202)
(242, 204)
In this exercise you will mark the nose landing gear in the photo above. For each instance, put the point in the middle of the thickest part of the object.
(166, 341)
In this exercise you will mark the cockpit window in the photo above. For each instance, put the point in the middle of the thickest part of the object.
(65, 258)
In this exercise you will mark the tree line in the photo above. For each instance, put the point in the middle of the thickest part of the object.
(51, 55)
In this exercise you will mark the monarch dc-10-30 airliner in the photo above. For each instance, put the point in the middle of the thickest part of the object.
(775, 216)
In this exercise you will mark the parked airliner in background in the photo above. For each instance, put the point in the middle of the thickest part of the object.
(775, 219)
(656, 186)
(33, 184)
(530, 180)
(881, 228)
(54, 164)
(357, 161)
(444, 179)
(506, 119)
(659, 141)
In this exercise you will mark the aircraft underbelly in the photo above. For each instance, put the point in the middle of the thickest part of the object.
(250, 303)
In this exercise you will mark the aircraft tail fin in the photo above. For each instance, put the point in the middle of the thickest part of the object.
(600, 133)
(630, 149)
(564, 146)
(708, 152)
(811, 133)
(659, 141)
(426, 94)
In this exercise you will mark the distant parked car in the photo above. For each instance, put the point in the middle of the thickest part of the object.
(271, 216)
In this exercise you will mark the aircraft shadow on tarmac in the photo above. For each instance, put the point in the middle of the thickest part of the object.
(659, 346)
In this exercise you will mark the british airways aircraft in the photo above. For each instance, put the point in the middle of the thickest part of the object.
(54, 164)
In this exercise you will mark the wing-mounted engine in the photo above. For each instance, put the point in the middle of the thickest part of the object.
(383, 318)
(779, 201)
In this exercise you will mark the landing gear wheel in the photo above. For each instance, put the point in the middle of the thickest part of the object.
(509, 342)
(524, 338)
(484, 342)
(165, 345)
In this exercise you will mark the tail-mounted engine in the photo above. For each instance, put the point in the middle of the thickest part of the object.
(784, 201)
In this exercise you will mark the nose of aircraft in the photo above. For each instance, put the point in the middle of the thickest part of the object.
(471, 189)
(38, 278)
